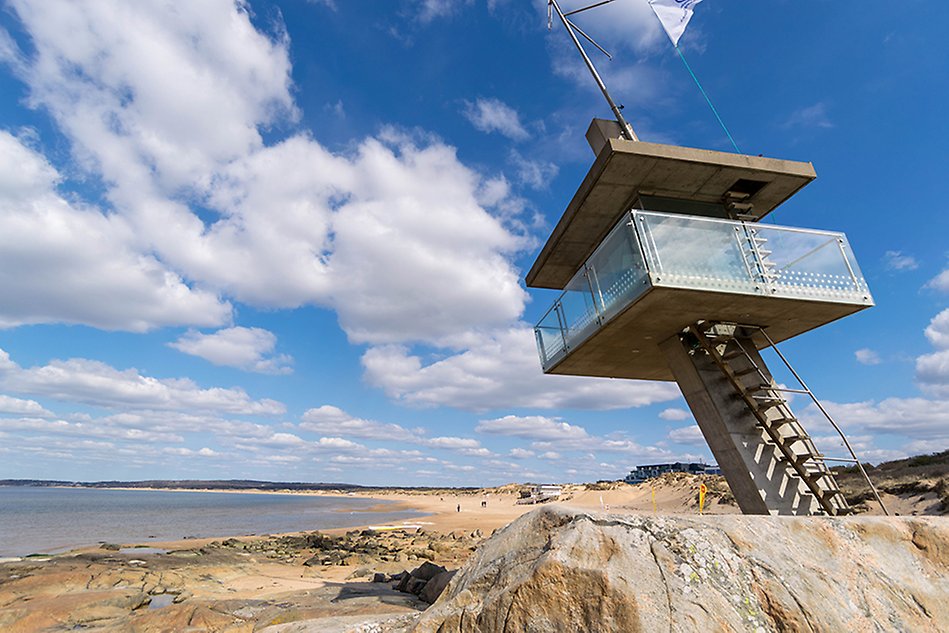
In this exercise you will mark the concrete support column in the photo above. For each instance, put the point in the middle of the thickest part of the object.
(760, 481)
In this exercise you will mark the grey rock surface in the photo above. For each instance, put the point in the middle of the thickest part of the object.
(556, 570)
(434, 587)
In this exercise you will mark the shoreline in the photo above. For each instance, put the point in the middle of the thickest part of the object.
(376, 505)
(437, 512)
(437, 509)
(442, 511)
(311, 579)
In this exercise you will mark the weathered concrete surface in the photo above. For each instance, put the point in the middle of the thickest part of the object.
(664, 311)
(558, 570)
(625, 169)
(762, 480)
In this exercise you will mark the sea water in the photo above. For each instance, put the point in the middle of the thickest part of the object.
(50, 520)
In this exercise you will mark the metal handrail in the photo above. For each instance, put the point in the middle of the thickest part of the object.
(827, 415)
(769, 227)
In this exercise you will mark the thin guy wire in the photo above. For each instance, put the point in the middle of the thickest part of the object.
(707, 99)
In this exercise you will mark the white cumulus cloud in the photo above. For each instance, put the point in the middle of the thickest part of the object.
(940, 281)
(938, 330)
(675, 414)
(453, 443)
(166, 108)
(932, 373)
(916, 418)
(531, 427)
(18, 406)
(429, 10)
(867, 356)
(500, 369)
(95, 383)
(932, 370)
(330, 419)
(250, 349)
(67, 262)
(493, 115)
(687, 435)
(896, 260)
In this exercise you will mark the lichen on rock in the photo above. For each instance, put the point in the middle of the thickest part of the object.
(556, 570)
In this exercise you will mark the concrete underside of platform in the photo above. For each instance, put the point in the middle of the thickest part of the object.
(628, 345)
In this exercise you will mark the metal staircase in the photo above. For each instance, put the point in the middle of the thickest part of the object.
(755, 256)
(727, 345)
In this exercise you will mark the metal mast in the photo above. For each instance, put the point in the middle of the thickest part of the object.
(572, 29)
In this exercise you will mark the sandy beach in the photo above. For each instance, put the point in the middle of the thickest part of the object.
(268, 582)
(275, 583)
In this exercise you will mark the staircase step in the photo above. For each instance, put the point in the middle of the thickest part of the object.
(800, 460)
(827, 497)
(733, 354)
(814, 477)
(790, 439)
(746, 370)
(776, 425)
(765, 402)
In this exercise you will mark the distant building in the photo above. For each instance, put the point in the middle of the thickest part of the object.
(540, 493)
(546, 492)
(642, 473)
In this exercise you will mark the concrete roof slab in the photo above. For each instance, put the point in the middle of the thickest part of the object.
(624, 169)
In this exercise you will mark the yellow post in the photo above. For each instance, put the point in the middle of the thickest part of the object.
(654, 511)
(702, 490)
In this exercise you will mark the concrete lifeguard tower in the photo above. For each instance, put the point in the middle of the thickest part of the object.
(667, 273)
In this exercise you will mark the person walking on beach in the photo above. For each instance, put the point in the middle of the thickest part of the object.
(459, 507)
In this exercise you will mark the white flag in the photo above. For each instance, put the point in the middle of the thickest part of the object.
(674, 15)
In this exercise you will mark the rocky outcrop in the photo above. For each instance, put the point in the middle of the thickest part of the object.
(555, 570)
(427, 581)
(230, 586)
(356, 547)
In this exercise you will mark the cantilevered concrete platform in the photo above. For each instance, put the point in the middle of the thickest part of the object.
(624, 171)
(627, 346)
(658, 273)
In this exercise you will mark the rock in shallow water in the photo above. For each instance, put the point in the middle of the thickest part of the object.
(556, 570)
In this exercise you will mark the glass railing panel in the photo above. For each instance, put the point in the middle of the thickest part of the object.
(808, 264)
(616, 270)
(698, 253)
(648, 249)
(550, 342)
(863, 287)
(579, 309)
(550, 335)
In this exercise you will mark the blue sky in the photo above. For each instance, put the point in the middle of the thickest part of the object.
(286, 240)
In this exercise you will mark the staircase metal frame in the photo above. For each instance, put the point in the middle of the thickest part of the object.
(827, 415)
(763, 395)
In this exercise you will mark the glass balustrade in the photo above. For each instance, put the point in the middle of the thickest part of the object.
(647, 249)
